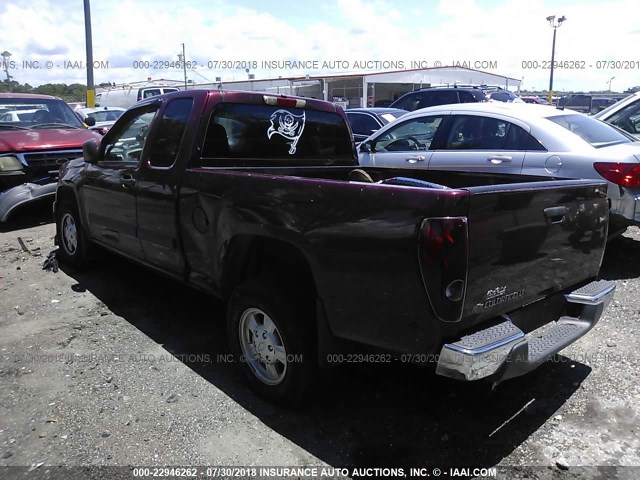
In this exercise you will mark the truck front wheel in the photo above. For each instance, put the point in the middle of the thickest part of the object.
(74, 246)
(271, 336)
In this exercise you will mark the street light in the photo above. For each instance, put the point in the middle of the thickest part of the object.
(5, 62)
(610, 83)
(554, 24)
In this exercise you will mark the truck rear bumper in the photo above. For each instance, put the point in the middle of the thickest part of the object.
(503, 351)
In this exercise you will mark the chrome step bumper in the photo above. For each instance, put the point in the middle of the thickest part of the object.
(503, 351)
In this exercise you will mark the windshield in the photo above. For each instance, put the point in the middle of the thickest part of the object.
(603, 113)
(390, 117)
(106, 115)
(36, 113)
(598, 134)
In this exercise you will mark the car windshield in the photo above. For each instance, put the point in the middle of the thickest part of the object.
(106, 115)
(611, 107)
(598, 134)
(390, 117)
(36, 113)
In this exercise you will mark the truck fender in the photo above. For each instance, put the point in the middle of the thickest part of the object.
(23, 194)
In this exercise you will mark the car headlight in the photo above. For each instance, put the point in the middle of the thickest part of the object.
(10, 163)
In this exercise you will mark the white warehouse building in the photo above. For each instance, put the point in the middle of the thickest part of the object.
(351, 90)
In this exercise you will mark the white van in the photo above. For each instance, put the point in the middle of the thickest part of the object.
(127, 96)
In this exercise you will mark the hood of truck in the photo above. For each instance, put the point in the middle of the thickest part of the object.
(44, 139)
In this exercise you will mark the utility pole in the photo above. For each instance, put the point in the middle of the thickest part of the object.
(91, 89)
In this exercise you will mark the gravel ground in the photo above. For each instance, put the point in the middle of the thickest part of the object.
(120, 366)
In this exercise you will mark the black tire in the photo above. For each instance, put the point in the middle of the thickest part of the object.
(285, 383)
(74, 247)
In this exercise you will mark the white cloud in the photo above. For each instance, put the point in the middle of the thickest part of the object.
(507, 32)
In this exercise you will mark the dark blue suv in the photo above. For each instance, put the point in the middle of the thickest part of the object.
(434, 96)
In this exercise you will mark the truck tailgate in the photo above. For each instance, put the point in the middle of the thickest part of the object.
(529, 240)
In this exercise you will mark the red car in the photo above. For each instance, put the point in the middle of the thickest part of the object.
(538, 100)
(38, 133)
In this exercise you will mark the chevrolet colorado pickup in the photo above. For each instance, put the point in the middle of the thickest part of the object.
(258, 199)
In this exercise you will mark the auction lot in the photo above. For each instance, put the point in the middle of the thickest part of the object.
(120, 366)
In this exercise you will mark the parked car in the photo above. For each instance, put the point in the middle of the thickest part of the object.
(433, 96)
(37, 134)
(533, 99)
(586, 103)
(126, 96)
(502, 95)
(624, 114)
(100, 118)
(365, 121)
(515, 138)
(24, 115)
(259, 200)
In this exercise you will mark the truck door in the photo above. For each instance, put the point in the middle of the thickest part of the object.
(157, 187)
(109, 186)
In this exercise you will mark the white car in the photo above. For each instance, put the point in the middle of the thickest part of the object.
(17, 115)
(516, 138)
(104, 117)
(624, 114)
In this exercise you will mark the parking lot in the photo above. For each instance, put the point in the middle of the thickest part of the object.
(119, 366)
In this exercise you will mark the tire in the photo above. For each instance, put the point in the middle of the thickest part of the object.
(272, 336)
(74, 247)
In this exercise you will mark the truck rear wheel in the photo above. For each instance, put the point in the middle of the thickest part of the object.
(271, 335)
(74, 246)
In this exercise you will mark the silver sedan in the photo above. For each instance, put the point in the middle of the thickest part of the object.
(515, 138)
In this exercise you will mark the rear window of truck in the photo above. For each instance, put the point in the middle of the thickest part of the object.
(282, 134)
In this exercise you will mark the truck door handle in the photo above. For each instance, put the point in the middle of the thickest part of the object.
(416, 159)
(128, 180)
(555, 214)
(498, 159)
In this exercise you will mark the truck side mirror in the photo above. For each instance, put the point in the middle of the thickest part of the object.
(90, 121)
(90, 151)
(365, 147)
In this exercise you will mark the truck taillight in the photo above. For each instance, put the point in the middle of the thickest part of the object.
(443, 251)
(623, 174)
(284, 102)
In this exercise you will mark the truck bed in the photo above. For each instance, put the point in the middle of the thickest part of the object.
(360, 240)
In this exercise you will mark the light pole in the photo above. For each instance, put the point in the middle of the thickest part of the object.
(610, 83)
(5, 62)
(554, 24)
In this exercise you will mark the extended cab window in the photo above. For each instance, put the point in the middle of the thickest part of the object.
(244, 134)
(127, 142)
(171, 128)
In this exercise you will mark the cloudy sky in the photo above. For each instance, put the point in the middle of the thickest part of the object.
(222, 38)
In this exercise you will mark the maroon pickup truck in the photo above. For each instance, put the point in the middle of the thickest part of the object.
(258, 199)
(38, 133)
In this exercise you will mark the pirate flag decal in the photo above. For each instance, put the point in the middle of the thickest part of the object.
(288, 125)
